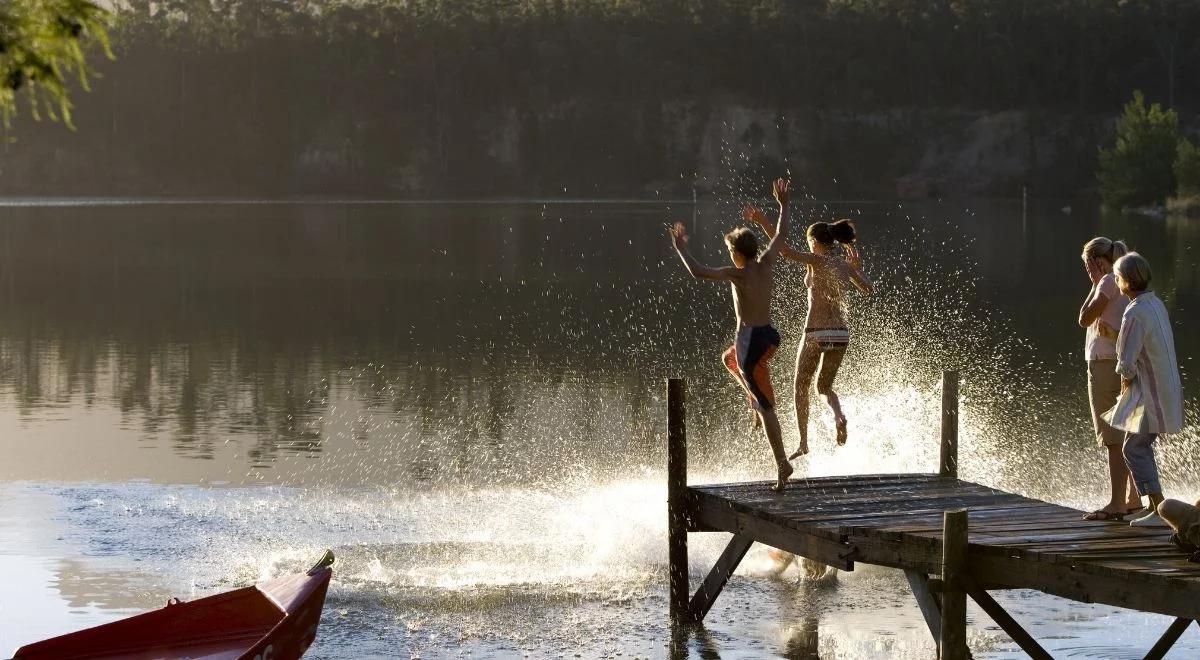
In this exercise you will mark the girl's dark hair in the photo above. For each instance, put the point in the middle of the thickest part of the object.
(841, 231)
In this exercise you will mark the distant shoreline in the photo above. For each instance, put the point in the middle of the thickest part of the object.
(35, 202)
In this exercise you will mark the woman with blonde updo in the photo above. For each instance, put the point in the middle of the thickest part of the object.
(826, 333)
(1101, 316)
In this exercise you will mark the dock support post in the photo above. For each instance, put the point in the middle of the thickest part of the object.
(728, 562)
(1164, 644)
(948, 465)
(677, 516)
(1008, 624)
(954, 576)
(927, 602)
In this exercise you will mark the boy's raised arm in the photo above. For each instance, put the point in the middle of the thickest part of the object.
(679, 239)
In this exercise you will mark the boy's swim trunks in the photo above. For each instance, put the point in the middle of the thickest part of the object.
(748, 356)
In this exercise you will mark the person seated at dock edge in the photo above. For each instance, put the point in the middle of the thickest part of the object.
(1151, 400)
(1101, 315)
(1184, 518)
(756, 340)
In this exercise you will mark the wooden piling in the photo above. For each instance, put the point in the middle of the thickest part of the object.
(702, 601)
(953, 644)
(948, 464)
(1008, 624)
(676, 499)
(1172, 635)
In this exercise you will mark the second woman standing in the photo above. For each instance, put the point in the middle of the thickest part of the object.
(1101, 315)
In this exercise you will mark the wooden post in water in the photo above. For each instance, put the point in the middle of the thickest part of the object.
(948, 465)
(953, 644)
(676, 492)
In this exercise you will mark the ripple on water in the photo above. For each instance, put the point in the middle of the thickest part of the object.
(495, 573)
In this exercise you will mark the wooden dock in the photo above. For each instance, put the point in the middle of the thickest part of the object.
(953, 539)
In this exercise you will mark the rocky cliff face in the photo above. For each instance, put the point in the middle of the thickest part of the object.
(671, 148)
(581, 149)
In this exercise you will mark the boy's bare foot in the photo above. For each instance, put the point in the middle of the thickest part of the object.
(784, 472)
(799, 452)
(841, 431)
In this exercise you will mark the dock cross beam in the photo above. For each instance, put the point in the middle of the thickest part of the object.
(919, 523)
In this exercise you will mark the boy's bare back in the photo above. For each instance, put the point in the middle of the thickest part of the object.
(752, 290)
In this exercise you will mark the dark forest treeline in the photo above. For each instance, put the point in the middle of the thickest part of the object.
(385, 97)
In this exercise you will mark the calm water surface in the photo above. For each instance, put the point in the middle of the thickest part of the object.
(465, 403)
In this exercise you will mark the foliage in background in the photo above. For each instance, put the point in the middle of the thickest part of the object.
(1140, 168)
(528, 97)
(42, 48)
(1187, 169)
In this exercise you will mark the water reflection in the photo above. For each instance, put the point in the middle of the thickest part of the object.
(84, 586)
(492, 344)
(692, 641)
(803, 640)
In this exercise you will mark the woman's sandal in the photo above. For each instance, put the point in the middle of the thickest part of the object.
(1101, 514)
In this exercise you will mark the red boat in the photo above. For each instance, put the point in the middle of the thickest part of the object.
(276, 620)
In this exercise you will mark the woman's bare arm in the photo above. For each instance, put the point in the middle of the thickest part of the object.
(1097, 300)
(857, 275)
(754, 214)
(1092, 308)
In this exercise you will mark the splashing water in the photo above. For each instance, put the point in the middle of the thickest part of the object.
(495, 483)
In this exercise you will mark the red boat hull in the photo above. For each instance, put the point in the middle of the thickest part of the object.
(276, 620)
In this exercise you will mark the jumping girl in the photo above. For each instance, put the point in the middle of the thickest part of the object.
(826, 334)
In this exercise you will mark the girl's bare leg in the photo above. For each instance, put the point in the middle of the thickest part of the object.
(807, 360)
(831, 361)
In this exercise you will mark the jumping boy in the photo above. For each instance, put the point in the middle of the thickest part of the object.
(752, 282)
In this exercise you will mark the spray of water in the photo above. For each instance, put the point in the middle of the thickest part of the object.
(509, 467)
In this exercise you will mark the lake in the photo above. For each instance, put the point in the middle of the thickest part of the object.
(465, 401)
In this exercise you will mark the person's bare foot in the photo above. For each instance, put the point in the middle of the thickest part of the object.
(813, 569)
(841, 431)
(784, 473)
(799, 452)
(755, 419)
(780, 561)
